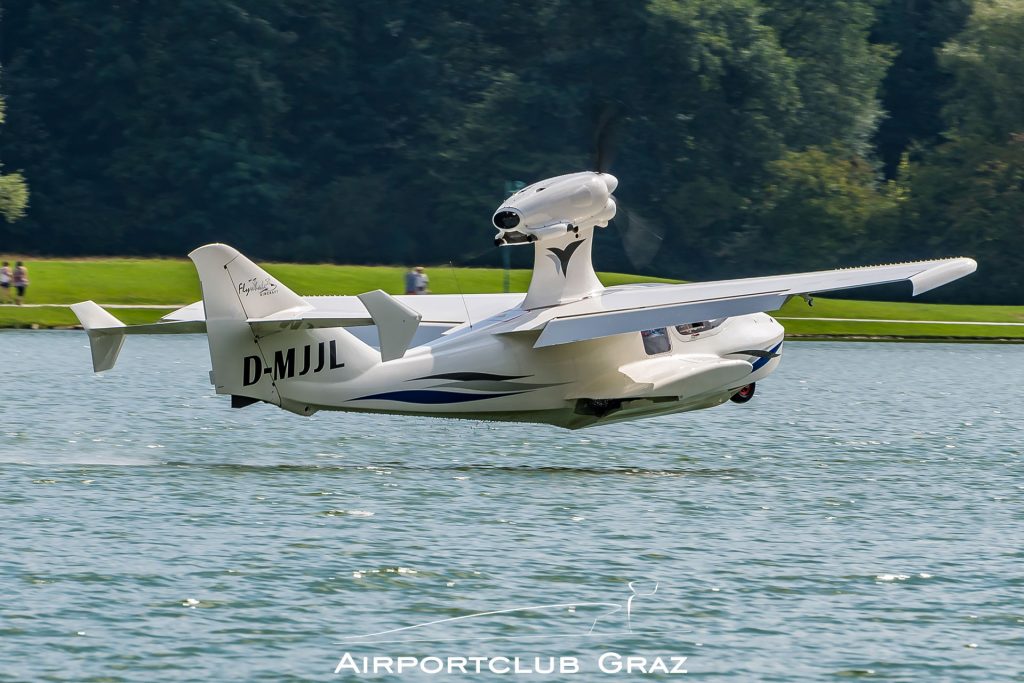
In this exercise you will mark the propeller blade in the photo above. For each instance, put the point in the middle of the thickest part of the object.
(604, 133)
(641, 239)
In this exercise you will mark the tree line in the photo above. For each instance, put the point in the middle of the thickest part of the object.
(749, 136)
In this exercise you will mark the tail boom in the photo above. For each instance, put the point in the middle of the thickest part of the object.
(251, 362)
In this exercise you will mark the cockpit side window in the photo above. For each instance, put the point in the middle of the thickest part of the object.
(693, 329)
(656, 341)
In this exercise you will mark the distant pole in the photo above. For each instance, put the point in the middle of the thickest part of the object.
(511, 187)
(506, 263)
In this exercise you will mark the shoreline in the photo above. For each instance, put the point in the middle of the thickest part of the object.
(147, 289)
(863, 337)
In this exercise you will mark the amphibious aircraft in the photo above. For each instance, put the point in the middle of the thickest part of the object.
(570, 352)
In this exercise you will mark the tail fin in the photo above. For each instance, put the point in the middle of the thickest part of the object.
(246, 364)
(106, 334)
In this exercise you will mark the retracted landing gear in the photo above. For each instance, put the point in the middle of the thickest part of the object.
(744, 394)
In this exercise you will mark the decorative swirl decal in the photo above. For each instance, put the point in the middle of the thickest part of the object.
(563, 256)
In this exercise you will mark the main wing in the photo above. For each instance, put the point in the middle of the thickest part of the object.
(631, 308)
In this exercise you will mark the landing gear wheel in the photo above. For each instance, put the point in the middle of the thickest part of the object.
(744, 394)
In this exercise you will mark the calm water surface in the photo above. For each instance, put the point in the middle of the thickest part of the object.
(860, 518)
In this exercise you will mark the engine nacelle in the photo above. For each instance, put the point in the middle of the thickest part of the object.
(553, 207)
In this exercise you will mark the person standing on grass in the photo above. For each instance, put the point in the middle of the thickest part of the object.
(422, 281)
(410, 281)
(20, 281)
(5, 283)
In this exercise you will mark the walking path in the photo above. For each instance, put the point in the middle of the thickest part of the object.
(150, 306)
(911, 322)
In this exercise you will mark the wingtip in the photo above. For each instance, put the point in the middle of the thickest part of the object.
(943, 273)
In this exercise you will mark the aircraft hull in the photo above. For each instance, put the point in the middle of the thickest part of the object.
(479, 376)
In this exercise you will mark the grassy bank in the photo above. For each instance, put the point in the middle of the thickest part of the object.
(166, 282)
(889, 310)
(886, 320)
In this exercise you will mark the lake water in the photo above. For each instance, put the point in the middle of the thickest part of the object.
(862, 517)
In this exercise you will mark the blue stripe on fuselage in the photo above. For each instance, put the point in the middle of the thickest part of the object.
(760, 362)
(431, 397)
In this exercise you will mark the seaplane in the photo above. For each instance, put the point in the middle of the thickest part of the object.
(569, 352)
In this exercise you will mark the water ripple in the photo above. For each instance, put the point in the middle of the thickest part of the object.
(859, 519)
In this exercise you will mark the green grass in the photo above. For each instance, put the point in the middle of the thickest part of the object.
(888, 310)
(123, 281)
(328, 279)
(174, 281)
(167, 281)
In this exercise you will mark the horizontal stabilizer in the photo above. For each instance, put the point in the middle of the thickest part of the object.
(106, 334)
(306, 320)
(168, 327)
(349, 311)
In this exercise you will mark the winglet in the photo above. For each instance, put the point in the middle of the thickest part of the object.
(396, 323)
(944, 273)
(106, 334)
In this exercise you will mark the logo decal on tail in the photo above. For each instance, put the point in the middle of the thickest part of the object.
(263, 287)
(561, 256)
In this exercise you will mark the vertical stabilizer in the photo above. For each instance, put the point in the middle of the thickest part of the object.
(234, 286)
(275, 366)
(235, 289)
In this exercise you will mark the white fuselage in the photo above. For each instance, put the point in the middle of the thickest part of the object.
(570, 352)
(480, 372)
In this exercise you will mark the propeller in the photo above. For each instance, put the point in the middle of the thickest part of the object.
(604, 148)
(641, 238)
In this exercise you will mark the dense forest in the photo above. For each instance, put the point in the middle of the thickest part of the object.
(749, 136)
